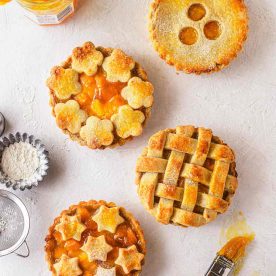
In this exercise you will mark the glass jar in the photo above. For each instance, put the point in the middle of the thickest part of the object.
(48, 12)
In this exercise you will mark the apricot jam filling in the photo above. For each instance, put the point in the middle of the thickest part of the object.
(100, 97)
(188, 36)
(122, 238)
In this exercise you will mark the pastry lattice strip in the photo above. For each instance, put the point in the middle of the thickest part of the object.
(170, 202)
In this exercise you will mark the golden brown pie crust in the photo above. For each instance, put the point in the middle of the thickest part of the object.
(191, 59)
(128, 217)
(186, 176)
(137, 71)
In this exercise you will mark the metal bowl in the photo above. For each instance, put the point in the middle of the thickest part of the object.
(16, 217)
(43, 157)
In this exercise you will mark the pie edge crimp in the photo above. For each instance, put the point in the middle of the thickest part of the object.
(232, 171)
(139, 72)
(134, 225)
(187, 69)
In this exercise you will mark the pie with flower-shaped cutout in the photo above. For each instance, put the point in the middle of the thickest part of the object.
(100, 84)
(198, 36)
(95, 238)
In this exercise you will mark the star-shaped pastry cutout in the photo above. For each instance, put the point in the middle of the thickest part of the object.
(129, 259)
(105, 272)
(70, 227)
(108, 219)
(67, 266)
(96, 248)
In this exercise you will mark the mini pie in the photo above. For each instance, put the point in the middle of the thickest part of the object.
(198, 36)
(95, 238)
(186, 176)
(100, 97)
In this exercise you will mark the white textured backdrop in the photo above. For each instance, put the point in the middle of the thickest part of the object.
(238, 104)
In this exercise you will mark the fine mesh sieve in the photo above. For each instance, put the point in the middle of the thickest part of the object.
(14, 224)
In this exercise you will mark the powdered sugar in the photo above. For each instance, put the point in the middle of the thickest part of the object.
(11, 223)
(20, 161)
(3, 224)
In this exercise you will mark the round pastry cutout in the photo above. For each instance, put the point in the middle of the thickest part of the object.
(217, 36)
(95, 238)
(212, 30)
(196, 12)
(188, 35)
(186, 176)
(100, 97)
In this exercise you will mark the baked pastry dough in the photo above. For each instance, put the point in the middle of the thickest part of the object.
(198, 37)
(186, 176)
(93, 91)
(100, 239)
(67, 266)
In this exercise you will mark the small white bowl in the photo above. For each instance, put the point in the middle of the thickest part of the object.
(43, 156)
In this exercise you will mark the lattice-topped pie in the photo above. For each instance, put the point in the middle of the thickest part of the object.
(95, 238)
(198, 36)
(100, 96)
(186, 176)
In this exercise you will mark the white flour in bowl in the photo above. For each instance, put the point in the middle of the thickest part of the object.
(19, 161)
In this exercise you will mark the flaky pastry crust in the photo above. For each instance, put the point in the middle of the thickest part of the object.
(168, 17)
(128, 217)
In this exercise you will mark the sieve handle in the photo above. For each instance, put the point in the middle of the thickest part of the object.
(27, 251)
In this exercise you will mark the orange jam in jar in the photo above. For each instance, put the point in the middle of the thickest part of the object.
(48, 12)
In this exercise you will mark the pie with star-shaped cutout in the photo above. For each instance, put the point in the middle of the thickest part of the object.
(95, 238)
(99, 83)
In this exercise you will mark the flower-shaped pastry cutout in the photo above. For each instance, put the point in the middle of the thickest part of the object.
(118, 66)
(96, 248)
(97, 132)
(86, 59)
(105, 272)
(70, 227)
(64, 82)
(108, 219)
(69, 116)
(67, 266)
(138, 93)
(128, 122)
(129, 259)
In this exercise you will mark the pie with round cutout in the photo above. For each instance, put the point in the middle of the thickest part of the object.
(186, 176)
(100, 97)
(95, 238)
(198, 36)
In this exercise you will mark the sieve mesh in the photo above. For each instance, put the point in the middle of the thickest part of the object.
(11, 223)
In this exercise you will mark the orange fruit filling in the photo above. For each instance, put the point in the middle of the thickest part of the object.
(196, 12)
(100, 97)
(188, 36)
(122, 238)
(212, 30)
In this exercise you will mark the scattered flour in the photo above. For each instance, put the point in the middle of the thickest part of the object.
(19, 161)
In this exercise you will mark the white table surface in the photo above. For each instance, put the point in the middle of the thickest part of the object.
(238, 104)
